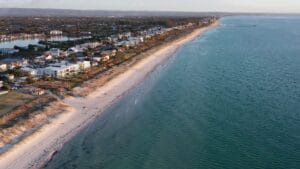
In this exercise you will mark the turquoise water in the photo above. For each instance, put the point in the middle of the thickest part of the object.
(229, 99)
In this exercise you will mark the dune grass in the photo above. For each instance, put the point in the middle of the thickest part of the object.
(11, 100)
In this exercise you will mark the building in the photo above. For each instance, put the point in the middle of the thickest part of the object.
(12, 63)
(83, 65)
(55, 52)
(75, 49)
(105, 58)
(38, 91)
(141, 39)
(62, 69)
(109, 53)
(56, 32)
(47, 57)
(3, 67)
(34, 72)
(133, 41)
(91, 45)
(127, 34)
(10, 77)
(95, 63)
(58, 70)
(97, 59)
(106, 55)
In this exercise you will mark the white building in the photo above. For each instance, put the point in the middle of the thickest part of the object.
(75, 49)
(61, 69)
(106, 55)
(83, 65)
(141, 39)
(97, 59)
(33, 72)
(55, 52)
(13, 63)
(10, 77)
(3, 67)
(56, 32)
(58, 70)
(91, 45)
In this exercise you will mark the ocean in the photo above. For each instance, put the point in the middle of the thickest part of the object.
(229, 99)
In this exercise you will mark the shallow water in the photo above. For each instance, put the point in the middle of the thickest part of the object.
(33, 41)
(229, 99)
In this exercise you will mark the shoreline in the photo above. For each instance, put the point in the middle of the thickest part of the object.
(37, 149)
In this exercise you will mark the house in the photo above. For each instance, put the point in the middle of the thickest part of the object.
(119, 44)
(56, 32)
(93, 64)
(127, 34)
(32, 71)
(109, 39)
(121, 49)
(83, 65)
(148, 37)
(141, 39)
(129, 44)
(43, 58)
(91, 45)
(106, 55)
(47, 57)
(12, 63)
(133, 41)
(55, 52)
(109, 52)
(10, 77)
(97, 59)
(105, 58)
(86, 33)
(75, 49)
(38, 91)
(3, 67)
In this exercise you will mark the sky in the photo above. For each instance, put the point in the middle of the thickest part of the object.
(278, 6)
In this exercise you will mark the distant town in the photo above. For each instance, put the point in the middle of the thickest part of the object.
(49, 60)
(42, 59)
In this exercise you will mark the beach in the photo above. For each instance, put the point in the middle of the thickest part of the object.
(37, 149)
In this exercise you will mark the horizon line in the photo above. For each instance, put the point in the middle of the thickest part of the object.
(165, 11)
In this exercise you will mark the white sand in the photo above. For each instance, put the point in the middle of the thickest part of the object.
(35, 150)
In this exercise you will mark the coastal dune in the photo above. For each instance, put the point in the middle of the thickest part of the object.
(37, 149)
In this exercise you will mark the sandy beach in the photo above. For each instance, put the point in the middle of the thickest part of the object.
(38, 148)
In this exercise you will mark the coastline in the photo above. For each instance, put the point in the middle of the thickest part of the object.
(36, 150)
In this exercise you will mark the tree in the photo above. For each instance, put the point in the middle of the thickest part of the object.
(6, 87)
(30, 80)
(46, 78)
(17, 72)
(73, 58)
